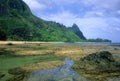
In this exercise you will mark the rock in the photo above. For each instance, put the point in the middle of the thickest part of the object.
(19, 74)
(1, 75)
(16, 71)
(17, 78)
(98, 62)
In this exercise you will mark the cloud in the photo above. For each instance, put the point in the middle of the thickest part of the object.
(106, 6)
(103, 4)
(64, 17)
(35, 5)
(94, 14)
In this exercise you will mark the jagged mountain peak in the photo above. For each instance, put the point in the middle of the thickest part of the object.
(77, 31)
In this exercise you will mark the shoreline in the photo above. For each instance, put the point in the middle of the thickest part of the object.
(38, 42)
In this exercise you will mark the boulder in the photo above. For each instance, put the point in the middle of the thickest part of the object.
(98, 62)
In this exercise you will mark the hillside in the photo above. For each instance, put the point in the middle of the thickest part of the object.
(18, 23)
(77, 31)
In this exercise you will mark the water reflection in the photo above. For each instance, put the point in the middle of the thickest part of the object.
(117, 55)
(64, 73)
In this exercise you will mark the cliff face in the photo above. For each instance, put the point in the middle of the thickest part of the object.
(13, 8)
(18, 23)
(77, 31)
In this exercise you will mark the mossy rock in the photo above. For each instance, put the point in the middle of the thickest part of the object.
(4, 53)
(1, 75)
(99, 57)
(98, 66)
(98, 62)
(19, 77)
(16, 71)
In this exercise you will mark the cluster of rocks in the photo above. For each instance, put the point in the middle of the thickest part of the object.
(18, 73)
(99, 66)
(98, 62)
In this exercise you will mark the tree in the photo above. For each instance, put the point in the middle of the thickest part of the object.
(22, 32)
(3, 35)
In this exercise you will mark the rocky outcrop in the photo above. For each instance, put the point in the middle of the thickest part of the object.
(77, 31)
(98, 62)
(98, 66)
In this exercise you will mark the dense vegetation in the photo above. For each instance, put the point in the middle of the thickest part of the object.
(18, 23)
(99, 40)
(76, 30)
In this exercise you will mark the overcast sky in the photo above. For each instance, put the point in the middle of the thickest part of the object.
(95, 18)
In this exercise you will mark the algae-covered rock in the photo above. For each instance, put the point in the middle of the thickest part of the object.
(19, 74)
(98, 66)
(16, 71)
(1, 75)
(100, 61)
(17, 78)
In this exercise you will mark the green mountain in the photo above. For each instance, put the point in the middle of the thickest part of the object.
(77, 31)
(18, 23)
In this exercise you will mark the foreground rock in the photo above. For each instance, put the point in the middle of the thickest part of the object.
(101, 61)
(19, 74)
(1, 75)
(98, 66)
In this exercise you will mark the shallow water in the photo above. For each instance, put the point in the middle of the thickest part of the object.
(63, 73)
(86, 43)
(117, 55)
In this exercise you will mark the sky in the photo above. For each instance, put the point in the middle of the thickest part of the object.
(95, 18)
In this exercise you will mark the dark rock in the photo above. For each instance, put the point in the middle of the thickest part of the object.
(10, 44)
(16, 71)
(17, 78)
(98, 62)
(99, 57)
(1, 75)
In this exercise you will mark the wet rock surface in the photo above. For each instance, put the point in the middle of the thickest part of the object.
(19, 77)
(1, 75)
(18, 73)
(100, 61)
(15, 71)
(98, 66)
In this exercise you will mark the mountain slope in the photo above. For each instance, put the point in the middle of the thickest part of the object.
(77, 31)
(18, 23)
